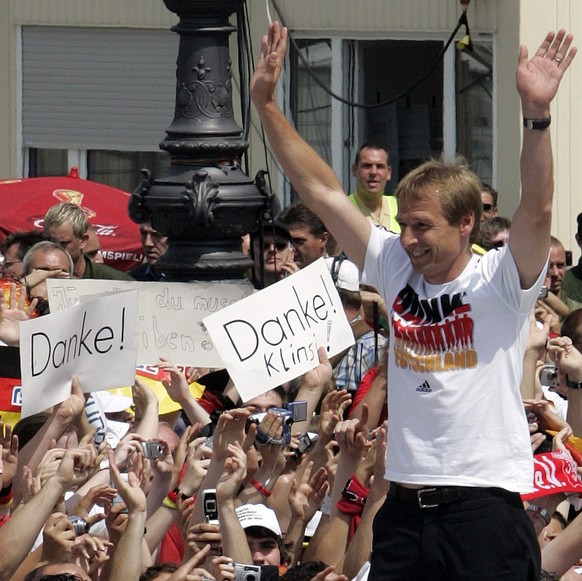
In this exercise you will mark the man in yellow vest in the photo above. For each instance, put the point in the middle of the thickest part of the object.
(372, 170)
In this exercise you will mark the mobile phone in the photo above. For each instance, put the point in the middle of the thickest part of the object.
(543, 292)
(210, 506)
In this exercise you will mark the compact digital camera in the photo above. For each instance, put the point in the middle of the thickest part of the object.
(80, 525)
(243, 572)
(549, 376)
(152, 449)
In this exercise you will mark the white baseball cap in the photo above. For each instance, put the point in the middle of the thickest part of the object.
(258, 515)
(344, 273)
(111, 402)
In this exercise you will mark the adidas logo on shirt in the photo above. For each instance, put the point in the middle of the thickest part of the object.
(424, 387)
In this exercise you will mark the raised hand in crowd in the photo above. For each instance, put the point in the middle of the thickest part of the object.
(192, 569)
(539, 332)
(333, 406)
(12, 315)
(360, 547)
(202, 535)
(569, 363)
(234, 543)
(305, 498)
(179, 390)
(99, 495)
(26, 523)
(223, 568)
(8, 455)
(61, 421)
(268, 439)
(197, 462)
(130, 541)
(229, 430)
(146, 410)
(311, 386)
(195, 373)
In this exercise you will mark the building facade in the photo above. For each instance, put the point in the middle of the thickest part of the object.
(91, 84)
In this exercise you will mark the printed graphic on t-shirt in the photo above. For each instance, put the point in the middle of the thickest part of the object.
(432, 335)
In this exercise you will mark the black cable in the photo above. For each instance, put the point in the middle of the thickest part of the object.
(263, 136)
(243, 71)
(462, 21)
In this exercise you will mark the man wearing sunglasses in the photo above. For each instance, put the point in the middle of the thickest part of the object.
(272, 251)
(489, 200)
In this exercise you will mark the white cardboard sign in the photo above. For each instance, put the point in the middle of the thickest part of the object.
(170, 314)
(97, 341)
(273, 336)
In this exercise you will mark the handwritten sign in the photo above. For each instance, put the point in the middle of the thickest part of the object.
(273, 335)
(170, 314)
(96, 341)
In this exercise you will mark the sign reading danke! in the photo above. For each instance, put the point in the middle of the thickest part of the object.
(273, 336)
(97, 341)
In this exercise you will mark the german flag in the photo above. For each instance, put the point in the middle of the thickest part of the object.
(10, 385)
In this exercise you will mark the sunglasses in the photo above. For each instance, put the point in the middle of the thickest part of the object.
(279, 245)
(487, 207)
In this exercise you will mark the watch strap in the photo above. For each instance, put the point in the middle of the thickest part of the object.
(539, 124)
(573, 384)
(543, 512)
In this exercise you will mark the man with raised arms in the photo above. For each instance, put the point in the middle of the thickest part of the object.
(458, 442)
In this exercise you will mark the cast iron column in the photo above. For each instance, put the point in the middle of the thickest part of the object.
(205, 202)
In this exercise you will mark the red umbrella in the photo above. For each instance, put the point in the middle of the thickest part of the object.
(24, 203)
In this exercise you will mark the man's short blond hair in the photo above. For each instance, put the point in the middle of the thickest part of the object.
(66, 212)
(455, 185)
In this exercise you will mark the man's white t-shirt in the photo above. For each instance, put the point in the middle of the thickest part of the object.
(456, 358)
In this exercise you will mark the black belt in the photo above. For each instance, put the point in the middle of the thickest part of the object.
(433, 496)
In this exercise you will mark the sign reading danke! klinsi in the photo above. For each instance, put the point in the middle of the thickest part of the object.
(273, 336)
(97, 341)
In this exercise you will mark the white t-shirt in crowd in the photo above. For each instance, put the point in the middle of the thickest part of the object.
(455, 365)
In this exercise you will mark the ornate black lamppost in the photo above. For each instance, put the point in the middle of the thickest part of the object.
(205, 202)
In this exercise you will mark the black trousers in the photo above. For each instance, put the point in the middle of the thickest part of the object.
(487, 536)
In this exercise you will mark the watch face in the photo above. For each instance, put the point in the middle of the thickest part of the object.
(543, 512)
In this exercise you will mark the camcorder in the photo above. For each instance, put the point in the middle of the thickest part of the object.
(243, 572)
(549, 376)
(152, 449)
(296, 411)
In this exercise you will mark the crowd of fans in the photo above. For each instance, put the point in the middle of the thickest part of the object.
(232, 490)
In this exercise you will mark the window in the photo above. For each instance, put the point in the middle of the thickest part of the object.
(121, 169)
(48, 162)
(474, 89)
(310, 104)
(417, 125)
